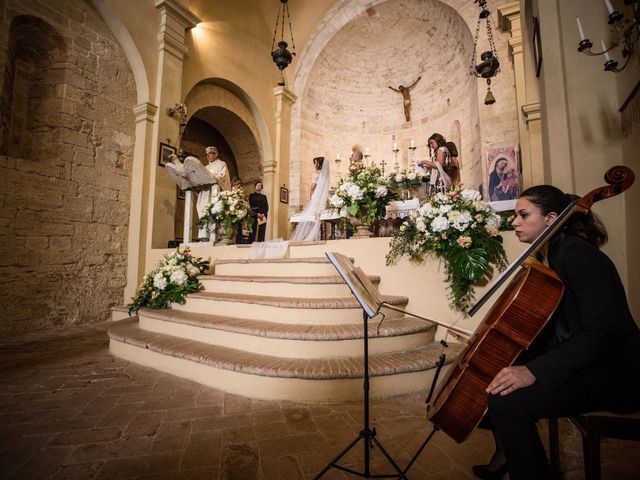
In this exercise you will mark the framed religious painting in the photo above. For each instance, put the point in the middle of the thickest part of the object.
(502, 180)
(284, 195)
(164, 153)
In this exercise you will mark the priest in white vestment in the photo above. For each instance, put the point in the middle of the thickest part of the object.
(220, 173)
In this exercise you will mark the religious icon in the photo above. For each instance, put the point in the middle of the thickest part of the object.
(503, 174)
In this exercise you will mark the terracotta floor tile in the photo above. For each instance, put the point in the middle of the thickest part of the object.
(61, 388)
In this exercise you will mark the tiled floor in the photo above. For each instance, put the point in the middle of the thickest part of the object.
(70, 410)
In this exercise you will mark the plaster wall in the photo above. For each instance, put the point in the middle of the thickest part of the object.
(582, 124)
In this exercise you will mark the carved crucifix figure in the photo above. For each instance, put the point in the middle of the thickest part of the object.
(406, 97)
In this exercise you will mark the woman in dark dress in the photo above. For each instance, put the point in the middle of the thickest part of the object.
(587, 357)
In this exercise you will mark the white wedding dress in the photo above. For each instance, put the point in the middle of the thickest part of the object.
(310, 230)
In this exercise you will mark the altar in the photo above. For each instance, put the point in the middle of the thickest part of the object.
(329, 222)
(331, 219)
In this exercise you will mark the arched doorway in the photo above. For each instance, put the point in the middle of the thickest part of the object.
(220, 119)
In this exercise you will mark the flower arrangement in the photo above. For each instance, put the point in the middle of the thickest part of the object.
(404, 179)
(363, 195)
(174, 277)
(459, 228)
(228, 208)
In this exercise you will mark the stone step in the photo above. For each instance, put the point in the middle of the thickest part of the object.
(289, 340)
(263, 376)
(313, 311)
(287, 267)
(301, 287)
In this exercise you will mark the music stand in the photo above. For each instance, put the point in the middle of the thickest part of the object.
(369, 299)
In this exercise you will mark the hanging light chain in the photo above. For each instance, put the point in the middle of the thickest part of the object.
(285, 11)
(293, 43)
(275, 31)
(492, 45)
(472, 66)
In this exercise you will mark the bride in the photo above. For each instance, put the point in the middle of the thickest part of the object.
(320, 182)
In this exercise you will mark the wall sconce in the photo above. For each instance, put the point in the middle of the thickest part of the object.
(281, 56)
(625, 33)
(180, 109)
(489, 65)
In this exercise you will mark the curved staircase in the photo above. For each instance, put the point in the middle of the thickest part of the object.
(286, 329)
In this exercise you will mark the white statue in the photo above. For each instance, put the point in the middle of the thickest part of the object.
(207, 181)
(190, 174)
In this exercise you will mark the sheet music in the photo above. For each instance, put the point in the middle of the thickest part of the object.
(361, 287)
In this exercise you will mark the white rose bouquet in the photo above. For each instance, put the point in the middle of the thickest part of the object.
(171, 280)
(404, 179)
(363, 195)
(462, 230)
(228, 208)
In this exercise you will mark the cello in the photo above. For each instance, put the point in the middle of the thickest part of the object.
(513, 322)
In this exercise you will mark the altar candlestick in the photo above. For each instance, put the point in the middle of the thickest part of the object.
(580, 30)
(604, 48)
(609, 6)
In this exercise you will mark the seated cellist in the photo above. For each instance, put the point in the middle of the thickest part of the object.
(587, 358)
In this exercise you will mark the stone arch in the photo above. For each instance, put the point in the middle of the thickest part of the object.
(213, 102)
(385, 35)
(35, 70)
(128, 47)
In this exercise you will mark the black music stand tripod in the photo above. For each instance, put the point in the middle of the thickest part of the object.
(367, 434)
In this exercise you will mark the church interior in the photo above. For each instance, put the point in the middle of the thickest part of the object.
(260, 375)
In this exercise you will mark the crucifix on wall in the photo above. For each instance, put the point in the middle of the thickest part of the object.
(406, 97)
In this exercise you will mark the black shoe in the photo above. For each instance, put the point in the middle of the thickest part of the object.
(483, 471)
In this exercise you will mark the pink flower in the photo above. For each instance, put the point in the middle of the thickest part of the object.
(464, 242)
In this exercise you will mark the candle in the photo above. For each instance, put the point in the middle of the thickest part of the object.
(366, 151)
(337, 156)
(604, 48)
(580, 30)
(609, 6)
(413, 144)
(395, 145)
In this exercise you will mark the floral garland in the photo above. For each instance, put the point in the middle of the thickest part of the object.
(171, 280)
(363, 195)
(228, 208)
(459, 228)
(404, 179)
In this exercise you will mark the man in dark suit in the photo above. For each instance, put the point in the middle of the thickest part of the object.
(259, 210)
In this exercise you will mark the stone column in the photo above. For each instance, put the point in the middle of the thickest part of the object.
(509, 20)
(174, 21)
(139, 208)
(276, 174)
(532, 118)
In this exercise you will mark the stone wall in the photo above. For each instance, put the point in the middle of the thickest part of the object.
(67, 122)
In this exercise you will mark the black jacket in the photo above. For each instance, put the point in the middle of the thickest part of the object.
(592, 332)
(258, 203)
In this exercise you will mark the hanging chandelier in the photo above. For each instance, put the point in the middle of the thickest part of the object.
(281, 56)
(625, 33)
(489, 65)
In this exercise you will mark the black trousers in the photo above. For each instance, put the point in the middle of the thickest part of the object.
(258, 232)
(513, 418)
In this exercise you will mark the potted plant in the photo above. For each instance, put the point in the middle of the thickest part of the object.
(229, 209)
(170, 281)
(463, 231)
(405, 182)
(362, 196)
